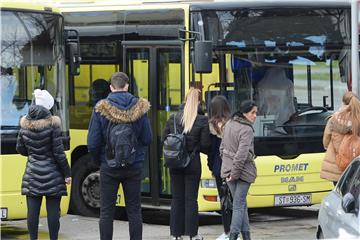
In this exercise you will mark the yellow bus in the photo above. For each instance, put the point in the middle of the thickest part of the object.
(288, 56)
(32, 56)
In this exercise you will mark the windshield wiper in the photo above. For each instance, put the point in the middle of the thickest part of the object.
(9, 127)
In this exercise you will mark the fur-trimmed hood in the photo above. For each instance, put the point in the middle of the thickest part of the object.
(340, 125)
(38, 124)
(213, 131)
(117, 115)
(39, 118)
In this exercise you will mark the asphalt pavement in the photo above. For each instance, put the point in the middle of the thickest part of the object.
(272, 223)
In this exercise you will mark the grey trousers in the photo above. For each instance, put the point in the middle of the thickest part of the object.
(240, 218)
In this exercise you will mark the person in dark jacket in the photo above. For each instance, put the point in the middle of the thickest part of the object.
(219, 113)
(100, 89)
(120, 107)
(185, 182)
(47, 169)
(238, 166)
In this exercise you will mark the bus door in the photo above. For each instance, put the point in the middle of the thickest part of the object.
(156, 73)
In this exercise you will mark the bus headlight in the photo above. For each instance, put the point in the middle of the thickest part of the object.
(208, 183)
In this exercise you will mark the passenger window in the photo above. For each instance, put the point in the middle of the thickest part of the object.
(349, 178)
(355, 189)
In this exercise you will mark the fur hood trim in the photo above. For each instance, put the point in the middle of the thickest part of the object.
(117, 115)
(221, 126)
(39, 124)
(340, 125)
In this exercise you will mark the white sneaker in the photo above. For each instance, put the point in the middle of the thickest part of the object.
(223, 236)
(197, 237)
(176, 238)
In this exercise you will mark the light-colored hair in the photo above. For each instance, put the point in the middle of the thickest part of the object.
(190, 109)
(352, 111)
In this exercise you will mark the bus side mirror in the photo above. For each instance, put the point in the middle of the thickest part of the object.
(73, 52)
(203, 57)
(74, 58)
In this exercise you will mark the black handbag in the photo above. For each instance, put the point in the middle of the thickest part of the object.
(226, 199)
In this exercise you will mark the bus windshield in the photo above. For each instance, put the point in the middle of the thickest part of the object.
(293, 64)
(32, 55)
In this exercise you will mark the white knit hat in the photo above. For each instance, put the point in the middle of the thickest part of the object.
(43, 98)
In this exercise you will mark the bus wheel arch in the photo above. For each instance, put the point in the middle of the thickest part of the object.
(85, 189)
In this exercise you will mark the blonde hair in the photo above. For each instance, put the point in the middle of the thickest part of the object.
(190, 109)
(352, 111)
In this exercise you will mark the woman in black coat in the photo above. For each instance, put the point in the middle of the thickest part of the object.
(219, 113)
(185, 182)
(47, 169)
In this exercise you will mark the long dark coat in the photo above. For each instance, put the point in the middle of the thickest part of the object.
(47, 167)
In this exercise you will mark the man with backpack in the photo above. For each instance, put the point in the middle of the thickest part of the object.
(119, 130)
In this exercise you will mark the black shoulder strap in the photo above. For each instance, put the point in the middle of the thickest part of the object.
(175, 124)
(108, 134)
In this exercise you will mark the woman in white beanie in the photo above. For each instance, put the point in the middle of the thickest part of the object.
(47, 169)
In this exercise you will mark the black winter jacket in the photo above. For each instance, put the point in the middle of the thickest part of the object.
(47, 167)
(198, 138)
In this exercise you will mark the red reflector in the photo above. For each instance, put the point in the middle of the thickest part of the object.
(211, 198)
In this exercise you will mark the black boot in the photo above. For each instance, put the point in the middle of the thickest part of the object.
(245, 235)
(233, 236)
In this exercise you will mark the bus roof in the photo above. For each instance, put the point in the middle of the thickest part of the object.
(224, 5)
(91, 5)
(83, 5)
(29, 5)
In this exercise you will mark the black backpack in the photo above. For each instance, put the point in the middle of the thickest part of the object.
(175, 153)
(120, 149)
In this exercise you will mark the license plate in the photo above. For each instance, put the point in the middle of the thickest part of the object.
(292, 199)
(4, 213)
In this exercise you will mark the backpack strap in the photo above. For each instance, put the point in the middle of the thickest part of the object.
(108, 134)
(175, 124)
(197, 147)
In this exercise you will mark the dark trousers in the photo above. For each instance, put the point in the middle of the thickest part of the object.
(225, 216)
(184, 205)
(53, 215)
(130, 180)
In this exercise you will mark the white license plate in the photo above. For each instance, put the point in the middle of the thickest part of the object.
(4, 213)
(292, 199)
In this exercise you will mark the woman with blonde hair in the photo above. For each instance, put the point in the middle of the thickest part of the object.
(345, 121)
(185, 182)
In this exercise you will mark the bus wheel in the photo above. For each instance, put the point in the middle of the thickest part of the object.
(85, 189)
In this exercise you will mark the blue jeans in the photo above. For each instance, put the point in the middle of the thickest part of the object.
(109, 185)
(240, 218)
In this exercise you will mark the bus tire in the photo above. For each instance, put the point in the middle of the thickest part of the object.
(85, 189)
